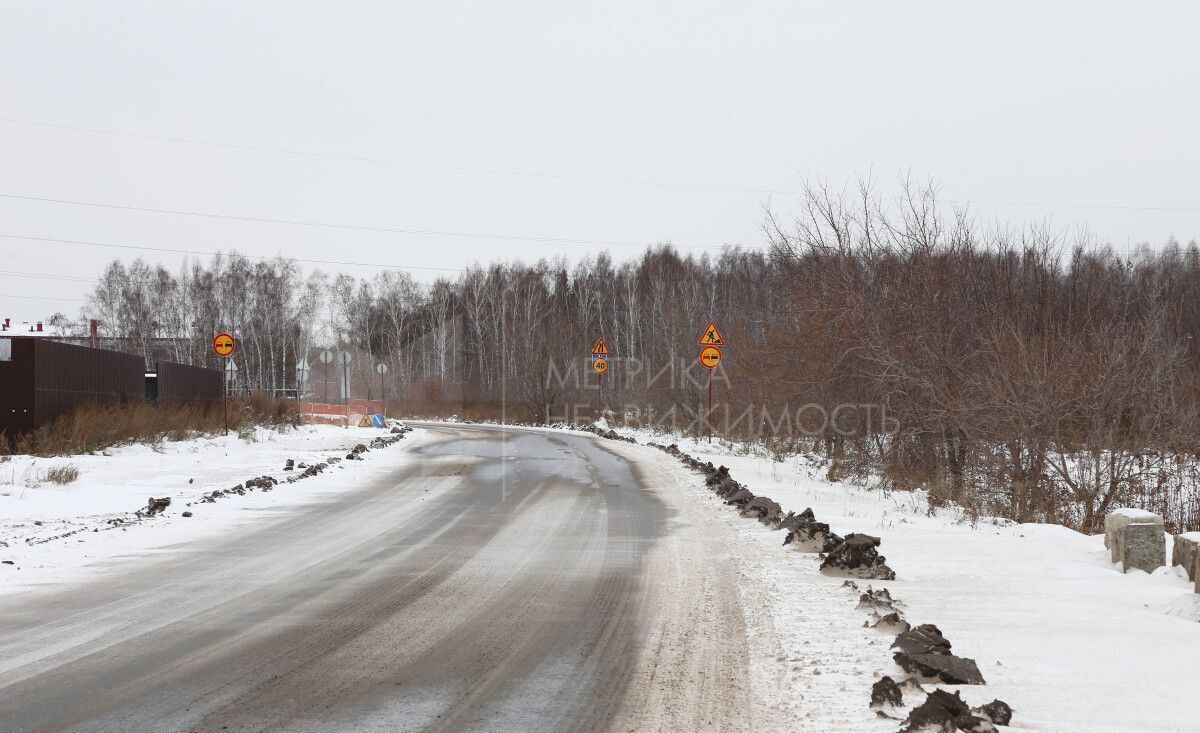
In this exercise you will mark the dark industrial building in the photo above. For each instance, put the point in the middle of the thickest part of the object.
(178, 384)
(42, 379)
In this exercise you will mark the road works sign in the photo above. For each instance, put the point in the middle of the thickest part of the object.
(711, 337)
(223, 344)
(600, 364)
(710, 357)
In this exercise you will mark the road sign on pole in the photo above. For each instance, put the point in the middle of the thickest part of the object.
(224, 346)
(326, 358)
(382, 369)
(710, 358)
(345, 357)
(302, 370)
(600, 356)
(711, 336)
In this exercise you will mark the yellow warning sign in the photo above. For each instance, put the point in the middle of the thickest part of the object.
(600, 365)
(601, 348)
(711, 336)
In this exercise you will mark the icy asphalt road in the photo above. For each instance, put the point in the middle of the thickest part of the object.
(509, 580)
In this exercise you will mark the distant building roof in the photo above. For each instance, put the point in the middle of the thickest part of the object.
(10, 326)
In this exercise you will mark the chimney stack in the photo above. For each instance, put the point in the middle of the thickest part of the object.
(39, 326)
(93, 332)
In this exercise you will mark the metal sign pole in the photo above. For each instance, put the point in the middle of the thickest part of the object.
(708, 414)
(224, 346)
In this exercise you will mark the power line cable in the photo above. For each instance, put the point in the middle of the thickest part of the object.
(395, 161)
(175, 250)
(46, 276)
(42, 297)
(351, 227)
(237, 255)
(544, 175)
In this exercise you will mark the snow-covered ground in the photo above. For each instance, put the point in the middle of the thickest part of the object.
(1057, 630)
(53, 533)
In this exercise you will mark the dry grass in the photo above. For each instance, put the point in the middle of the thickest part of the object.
(62, 475)
(94, 427)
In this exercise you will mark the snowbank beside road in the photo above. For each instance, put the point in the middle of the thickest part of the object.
(1058, 632)
(52, 533)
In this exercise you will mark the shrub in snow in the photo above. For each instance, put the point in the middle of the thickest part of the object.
(857, 557)
(64, 474)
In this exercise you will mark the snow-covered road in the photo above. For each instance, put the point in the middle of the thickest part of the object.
(490, 580)
(485, 578)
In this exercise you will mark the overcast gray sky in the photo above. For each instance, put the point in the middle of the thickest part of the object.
(1050, 108)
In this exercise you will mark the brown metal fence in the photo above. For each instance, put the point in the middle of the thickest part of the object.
(41, 380)
(182, 384)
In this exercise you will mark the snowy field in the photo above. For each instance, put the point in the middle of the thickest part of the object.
(1058, 631)
(54, 533)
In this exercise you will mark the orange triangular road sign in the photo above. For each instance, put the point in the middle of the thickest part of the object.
(601, 348)
(711, 336)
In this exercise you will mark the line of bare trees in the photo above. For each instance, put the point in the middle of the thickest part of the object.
(1025, 376)
(1009, 371)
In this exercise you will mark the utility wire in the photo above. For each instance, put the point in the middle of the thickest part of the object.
(46, 276)
(40, 297)
(174, 250)
(544, 175)
(394, 161)
(238, 255)
(351, 227)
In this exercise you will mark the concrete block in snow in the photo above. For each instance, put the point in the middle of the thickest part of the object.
(1143, 546)
(1185, 551)
(1116, 521)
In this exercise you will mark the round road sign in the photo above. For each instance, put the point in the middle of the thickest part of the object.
(223, 344)
(326, 356)
(600, 365)
(710, 357)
